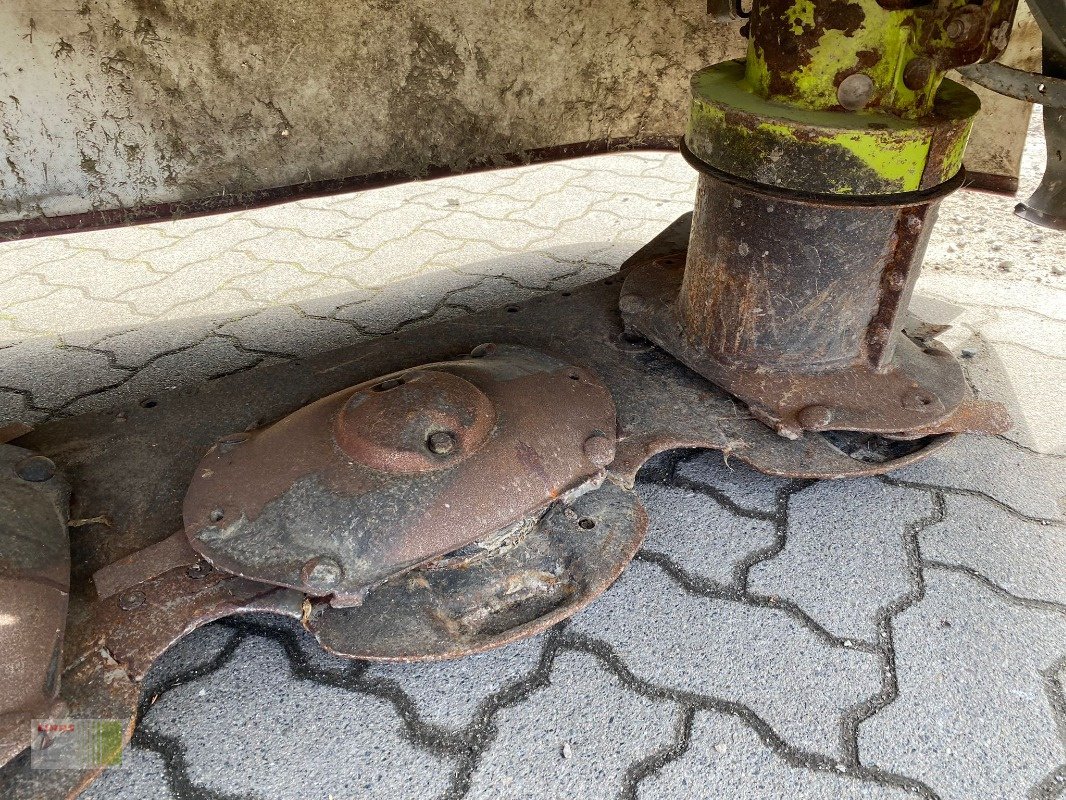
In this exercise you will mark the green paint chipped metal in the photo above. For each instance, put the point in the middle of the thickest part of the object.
(734, 129)
(801, 49)
(793, 114)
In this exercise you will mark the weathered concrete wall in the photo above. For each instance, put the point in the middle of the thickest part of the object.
(121, 103)
(116, 103)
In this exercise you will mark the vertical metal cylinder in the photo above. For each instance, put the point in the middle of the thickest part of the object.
(780, 281)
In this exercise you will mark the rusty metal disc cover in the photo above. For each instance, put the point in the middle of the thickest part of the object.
(519, 582)
(376, 479)
(34, 590)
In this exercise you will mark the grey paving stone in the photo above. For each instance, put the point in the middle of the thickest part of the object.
(331, 294)
(194, 651)
(1027, 482)
(210, 358)
(404, 302)
(450, 694)
(54, 377)
(252, 728)
(312, 657)
(573, 738)
(761, 657)
(973, 717)
(844, 557)
(703, 537)
(13, 409)
(1028, 383)
(736, 480)
(493, 292)
(284, 330)
(140, 776)
(134, 348)
(1025, 558)
(726, 758)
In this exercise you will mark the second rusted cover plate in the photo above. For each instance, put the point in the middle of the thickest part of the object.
(379, 478)
(520, 582)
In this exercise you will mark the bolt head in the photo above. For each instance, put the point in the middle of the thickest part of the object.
(35, 469)
(917, 400)
(956, 28)
(441, 442)
(855, 91)
(815, 417)
(917, 73)
(599, 450)
(322, 574)
(128, 601)
(200, 569)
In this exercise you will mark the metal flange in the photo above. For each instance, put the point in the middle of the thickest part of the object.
(34, 590)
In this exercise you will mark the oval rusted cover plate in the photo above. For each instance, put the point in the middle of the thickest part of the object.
(521, 583)
(381, 477)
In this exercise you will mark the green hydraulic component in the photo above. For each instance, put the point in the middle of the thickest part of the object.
(847, 96)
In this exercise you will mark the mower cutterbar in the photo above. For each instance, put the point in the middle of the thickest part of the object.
(455, 487)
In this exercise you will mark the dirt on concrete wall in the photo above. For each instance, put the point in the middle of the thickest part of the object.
(118, 103)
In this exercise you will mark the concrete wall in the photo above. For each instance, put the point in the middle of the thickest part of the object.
(114, 103)
(120, 103)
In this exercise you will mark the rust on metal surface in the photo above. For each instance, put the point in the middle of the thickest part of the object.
(516, 584)
(793, 303)
(34, 590)
(119, 471)
(172, 552)
(376, 479)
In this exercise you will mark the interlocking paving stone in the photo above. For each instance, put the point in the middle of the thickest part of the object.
(140, 775)
(174, 293)
(794, 679)
(1028, 383)
(65, 308)
(404, 303)
(134, 347)
(1026, 558)
(725, 758)
(203, 241)
(844, 558)
(735, 479)
(450, 694)
(973, 717)
(201, 362)
(574, 738)
(284, 330)
(1030, 483)
(53, 376)
(698, 534)
(13, 409)
(1013, 330)
(194, 651)
(254, 729)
